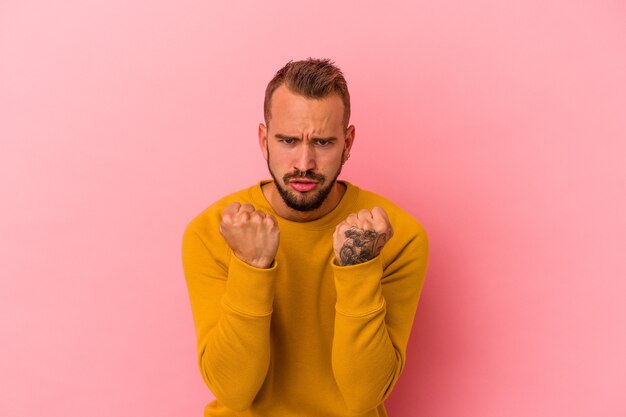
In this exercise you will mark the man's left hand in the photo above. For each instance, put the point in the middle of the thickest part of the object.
(361, 236)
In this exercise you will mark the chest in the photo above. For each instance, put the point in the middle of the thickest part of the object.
(304, 293)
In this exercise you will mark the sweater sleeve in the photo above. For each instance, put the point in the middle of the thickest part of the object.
(376, 303)
(231, 303)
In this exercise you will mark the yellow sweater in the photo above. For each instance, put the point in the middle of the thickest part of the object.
(305, 337)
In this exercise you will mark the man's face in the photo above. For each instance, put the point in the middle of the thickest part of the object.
(305, 146)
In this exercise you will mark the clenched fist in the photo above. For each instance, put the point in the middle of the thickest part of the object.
(253, 235)
(361, 236)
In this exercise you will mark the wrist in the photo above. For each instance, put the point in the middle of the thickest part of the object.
(359, 287)
(248, 289)
(260, 263)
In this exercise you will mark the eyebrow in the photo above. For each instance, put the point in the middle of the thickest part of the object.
(281, 136)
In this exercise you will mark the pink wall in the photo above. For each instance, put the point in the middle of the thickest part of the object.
(501, 125)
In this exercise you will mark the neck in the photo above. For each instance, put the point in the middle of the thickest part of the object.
(286, 212)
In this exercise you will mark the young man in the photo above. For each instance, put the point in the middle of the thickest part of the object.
(302, 300)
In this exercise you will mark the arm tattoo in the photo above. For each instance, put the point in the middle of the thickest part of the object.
(361, 246)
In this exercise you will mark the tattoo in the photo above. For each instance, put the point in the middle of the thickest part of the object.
(361, 246)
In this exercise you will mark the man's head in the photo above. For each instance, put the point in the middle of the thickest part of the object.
(306, 138)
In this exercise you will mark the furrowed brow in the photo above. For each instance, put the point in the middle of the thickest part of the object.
(281, 136)
(327, 139)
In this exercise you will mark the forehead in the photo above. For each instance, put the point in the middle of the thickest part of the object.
(288, 107)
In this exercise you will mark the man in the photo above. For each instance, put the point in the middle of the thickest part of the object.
(302, 300)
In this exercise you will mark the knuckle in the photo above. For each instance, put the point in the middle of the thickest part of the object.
(234, 206)
(382, 226)
(247, 207)
(226, 219)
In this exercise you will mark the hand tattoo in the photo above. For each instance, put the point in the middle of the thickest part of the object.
(361, 246)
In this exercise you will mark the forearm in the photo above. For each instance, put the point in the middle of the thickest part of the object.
(234, 357)
(365, 362)
(232, 306)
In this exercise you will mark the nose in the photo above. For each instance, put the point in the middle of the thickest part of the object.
(305, 159)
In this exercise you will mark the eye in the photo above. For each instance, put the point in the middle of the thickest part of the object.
(288, 141)
(323, 142)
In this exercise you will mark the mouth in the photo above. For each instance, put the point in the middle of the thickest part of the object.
(302, 185)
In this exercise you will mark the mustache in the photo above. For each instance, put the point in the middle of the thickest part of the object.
(310, 175)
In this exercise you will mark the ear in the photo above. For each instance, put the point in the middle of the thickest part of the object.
(263, 139)
(350, 134)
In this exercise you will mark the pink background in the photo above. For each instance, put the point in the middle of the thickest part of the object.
(501, 125)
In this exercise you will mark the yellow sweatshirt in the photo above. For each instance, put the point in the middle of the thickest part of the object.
(305, 337)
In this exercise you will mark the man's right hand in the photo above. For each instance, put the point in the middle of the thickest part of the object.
(253, 235)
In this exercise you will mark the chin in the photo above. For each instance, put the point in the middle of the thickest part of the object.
(306, 203)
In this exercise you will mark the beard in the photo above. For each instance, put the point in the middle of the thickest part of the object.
(304, 202)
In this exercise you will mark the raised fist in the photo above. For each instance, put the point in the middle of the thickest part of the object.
(253, 235)
(361, 236)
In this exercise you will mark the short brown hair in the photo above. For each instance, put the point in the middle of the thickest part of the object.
(311, 78)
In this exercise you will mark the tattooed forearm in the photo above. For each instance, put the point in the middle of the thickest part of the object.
(361, 246)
